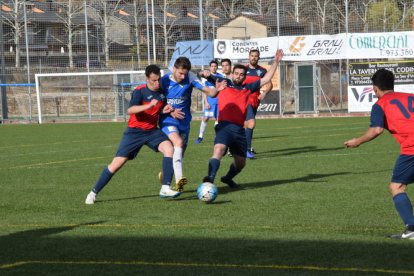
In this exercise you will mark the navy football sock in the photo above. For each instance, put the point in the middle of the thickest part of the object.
(167, 170)
(404, 208)
(232, 172)
(249, 137)
(213, 167)
(105, 177)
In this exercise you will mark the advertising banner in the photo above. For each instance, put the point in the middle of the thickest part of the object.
(380, 45)
(322, 47)
(313, 47)
(361, 95)
(270, 104)
(296, 48)
(200, 52)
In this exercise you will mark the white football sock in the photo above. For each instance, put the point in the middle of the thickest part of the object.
(202, 129)
(177, 163)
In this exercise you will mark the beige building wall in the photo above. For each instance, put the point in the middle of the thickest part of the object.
(241, 28)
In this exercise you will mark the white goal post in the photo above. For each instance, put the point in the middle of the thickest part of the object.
(96, 96)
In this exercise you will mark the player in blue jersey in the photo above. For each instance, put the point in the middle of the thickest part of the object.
(147, 102)
(254, 70)
(210, 109)
(394, 111)
(178, 87)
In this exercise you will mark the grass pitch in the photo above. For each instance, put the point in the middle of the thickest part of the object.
(308, 205)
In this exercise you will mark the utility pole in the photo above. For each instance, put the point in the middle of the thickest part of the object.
(4, 111)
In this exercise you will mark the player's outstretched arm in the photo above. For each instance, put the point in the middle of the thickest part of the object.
(269, 75)
(372, 133)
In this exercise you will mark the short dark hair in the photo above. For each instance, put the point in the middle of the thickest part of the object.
(383, 79)
(213, 61)
(254, 50)
(225, 60)
(183, 63)
(152, 69)
(240, 66)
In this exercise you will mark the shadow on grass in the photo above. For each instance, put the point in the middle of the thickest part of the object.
(126, 198)
(269, 136)
(293, 151)
(310, 178)
(47, 251)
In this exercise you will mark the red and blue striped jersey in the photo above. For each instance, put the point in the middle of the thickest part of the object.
(258, 72)
(148, 119)
(395, 112)
(232, 101)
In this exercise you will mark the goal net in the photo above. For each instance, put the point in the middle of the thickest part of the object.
(88, 96)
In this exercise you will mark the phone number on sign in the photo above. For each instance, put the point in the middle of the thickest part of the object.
(397, 52)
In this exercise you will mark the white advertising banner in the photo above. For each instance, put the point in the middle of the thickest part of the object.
(322, 47)
(296, 48)
(313, 47)
(361, 95)
(380, 45)
(239, 49)
(361, 98)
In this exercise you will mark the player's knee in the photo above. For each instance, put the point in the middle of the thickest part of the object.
(166, 148)
(396, 188)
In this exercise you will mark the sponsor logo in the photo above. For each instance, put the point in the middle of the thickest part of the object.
(267, 108)
(178, 101)
(366, 95)
(192, 49)
(378, 41)
(297, 45)
(221, 47)
(328, 47)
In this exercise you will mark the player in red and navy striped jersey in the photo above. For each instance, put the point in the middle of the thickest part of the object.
(394, 111)
(254, 70)
(147, 102)
(232, 101)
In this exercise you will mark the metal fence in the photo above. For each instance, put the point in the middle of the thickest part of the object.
(107, 35)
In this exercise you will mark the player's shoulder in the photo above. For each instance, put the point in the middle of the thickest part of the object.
(139, 88)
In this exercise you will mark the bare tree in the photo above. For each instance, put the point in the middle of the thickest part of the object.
(361, 10)
(264, 7)
(232, 7)
(323, 10)
(14, 21)
(67, 12)
(168, 22)
(106, 12)
(138, 11)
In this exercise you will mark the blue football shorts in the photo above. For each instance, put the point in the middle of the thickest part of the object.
(212, 112)
(403, 169)
(183, 130)
(134, 138)
(233, 136)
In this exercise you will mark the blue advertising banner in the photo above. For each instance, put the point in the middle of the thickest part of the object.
(200, 52)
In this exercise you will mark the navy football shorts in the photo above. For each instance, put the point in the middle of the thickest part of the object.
(233, 136)
(251, 112)
(135, 138)
(403, 169)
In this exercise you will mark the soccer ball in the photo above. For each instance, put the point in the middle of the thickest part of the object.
(207, 192)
